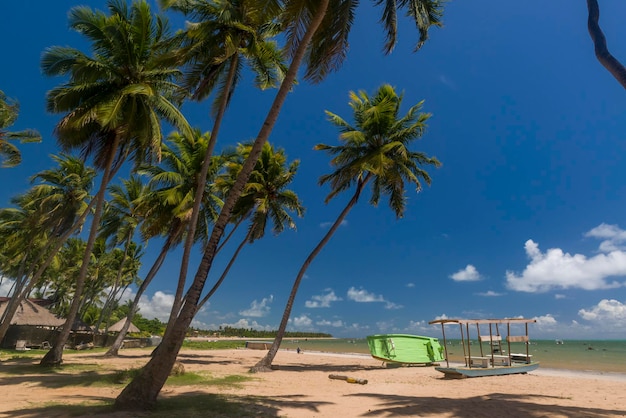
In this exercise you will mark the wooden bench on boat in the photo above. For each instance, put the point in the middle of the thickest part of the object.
(477, 361)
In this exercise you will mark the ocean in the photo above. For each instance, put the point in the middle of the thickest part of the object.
(587, 355)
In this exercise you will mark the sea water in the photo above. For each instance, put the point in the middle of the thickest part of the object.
(587, 355)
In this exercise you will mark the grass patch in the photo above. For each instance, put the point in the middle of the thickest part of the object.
(214, 345)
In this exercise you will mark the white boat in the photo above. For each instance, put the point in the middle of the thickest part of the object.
(491, 362)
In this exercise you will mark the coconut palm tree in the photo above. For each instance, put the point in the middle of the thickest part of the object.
(43, 219)
(376, 150)
(9, 154)
(265, 198)
(316, 33)
(169, 204)
(222, 37)
(113, 102)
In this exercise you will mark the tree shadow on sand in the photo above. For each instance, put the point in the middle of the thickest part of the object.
(194, 404)
(491, 405)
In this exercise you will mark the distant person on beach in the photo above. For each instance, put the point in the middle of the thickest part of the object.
(298, 350)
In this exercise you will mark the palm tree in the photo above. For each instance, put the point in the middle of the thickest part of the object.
(376, 150)
(8, 114)
(265, 198)
(123, 214)
(169, 203)
(317, 33)
(604, 56)
(114, 102)
(225, 35)
(44, 218)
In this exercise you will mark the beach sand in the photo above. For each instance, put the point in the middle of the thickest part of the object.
(301, 387)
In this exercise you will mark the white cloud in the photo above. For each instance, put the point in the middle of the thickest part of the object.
(613, 237)
(559, 296)
(258, 309)
(362, 295)
(391, 305)
(468, 274)
(606, 311)
(410, 285)
(158, 307)
(555, 269)
(545, 321)
(489, 293)
(328, 224)
(244, 323)
(301, 322)
(336, 324)
(322, 301)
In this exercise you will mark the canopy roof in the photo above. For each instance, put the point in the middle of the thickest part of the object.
(29, 313)
(117, 327)
(483, 321)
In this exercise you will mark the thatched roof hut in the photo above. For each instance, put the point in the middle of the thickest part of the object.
(29, 313)
(117, 327)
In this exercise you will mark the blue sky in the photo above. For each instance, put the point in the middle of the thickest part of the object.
(524, 218)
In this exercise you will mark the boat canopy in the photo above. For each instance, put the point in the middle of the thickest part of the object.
(483, 321)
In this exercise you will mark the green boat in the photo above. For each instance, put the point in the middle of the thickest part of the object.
(405, 348)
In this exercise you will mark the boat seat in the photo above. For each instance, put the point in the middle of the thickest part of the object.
(500, 360)
(478, 361)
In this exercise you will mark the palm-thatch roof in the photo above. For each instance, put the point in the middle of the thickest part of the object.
(29, 313)
(117, 327)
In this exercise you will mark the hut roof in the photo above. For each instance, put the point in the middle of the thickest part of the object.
(29, 313)
(117, 327)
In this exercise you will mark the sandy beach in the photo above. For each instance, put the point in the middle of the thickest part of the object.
(301, 387)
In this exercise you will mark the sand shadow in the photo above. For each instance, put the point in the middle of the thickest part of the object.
(494, 404)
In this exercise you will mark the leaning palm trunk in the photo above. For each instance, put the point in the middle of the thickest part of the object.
(117, 344)
(55, 355)
(199, 196)
(265, 364)
(225, 272)
(603, 55)
(141, 392)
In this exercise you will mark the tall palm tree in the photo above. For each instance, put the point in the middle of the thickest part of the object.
(9, 153)
(169, 204)
(224, 35)
(42, 221)
(376, 150)
(265, 198)
(316, 33)
(113, 102)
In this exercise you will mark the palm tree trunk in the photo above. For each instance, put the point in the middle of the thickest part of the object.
(265, 364)
(199, 196)
(599, 41)
(117, 344)
(226, 270)
(55, 355)
(141, 392)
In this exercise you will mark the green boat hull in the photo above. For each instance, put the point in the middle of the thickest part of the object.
(405, 348)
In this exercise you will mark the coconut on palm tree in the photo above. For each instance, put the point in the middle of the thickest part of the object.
(114, 101)
(375, 150)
